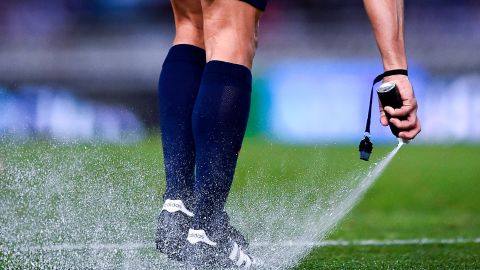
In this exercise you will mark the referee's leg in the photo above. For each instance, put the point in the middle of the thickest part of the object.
(178, 88)
(219, 122)
(188, 22)
(222, 106)
(230, 31)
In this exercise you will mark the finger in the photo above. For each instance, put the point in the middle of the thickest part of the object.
(407, 124)
(410, 134)
(383, 119)
(403, 111)
(383, 116)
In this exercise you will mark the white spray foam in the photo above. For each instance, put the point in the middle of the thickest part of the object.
(315, 223)
(45, 205)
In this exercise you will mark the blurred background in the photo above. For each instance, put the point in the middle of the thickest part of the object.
(75, 70)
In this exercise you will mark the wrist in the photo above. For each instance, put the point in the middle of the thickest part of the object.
(392, 74)
(396, 66)
(394, 62)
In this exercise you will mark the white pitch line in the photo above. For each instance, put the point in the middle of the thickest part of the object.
(144, 245)
(394, 242)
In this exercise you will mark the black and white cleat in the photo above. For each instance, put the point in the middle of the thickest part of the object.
(203, 252)
(172, 229)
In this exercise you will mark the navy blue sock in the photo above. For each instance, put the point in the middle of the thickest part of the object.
(178, 88)
(219, 122)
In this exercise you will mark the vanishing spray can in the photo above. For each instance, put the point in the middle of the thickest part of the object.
(389, 96)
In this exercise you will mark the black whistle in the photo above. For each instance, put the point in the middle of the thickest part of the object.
(389, 96)
(365, 147)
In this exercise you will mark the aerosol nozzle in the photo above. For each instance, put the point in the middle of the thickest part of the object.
(365, 147)
(403, 141)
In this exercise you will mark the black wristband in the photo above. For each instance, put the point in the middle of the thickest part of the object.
(390, 73)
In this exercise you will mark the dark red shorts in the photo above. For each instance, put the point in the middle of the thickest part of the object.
(260, 4)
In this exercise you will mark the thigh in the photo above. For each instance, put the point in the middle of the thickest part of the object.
(230, 30)
(188, 22)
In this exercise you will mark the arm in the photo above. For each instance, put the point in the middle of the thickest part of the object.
(386, 17)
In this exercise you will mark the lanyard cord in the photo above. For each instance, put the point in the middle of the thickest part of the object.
(375, 81)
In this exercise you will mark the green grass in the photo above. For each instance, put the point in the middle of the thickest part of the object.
(426, 192)
(461, 256)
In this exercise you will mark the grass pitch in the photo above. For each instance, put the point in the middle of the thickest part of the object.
(426, 192)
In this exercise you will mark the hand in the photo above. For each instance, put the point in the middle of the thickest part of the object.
(404, 118)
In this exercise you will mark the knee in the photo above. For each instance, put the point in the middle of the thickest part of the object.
(188, 23)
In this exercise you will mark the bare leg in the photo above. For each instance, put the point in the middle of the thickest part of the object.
(230, 31)
(188, 22)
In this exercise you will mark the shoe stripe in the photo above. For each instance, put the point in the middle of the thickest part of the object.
(173, 206)
(195, 236)
(239, 257)
(242, 258)
(234, 253)
(248, 263)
